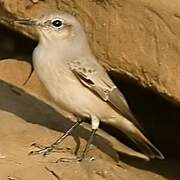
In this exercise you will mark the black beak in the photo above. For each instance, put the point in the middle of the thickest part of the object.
(28, 22)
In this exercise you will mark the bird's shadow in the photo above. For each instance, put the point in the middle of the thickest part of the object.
(33, 110)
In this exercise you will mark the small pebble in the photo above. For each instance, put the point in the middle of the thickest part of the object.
(2, 157)
(92, 159)
(35, 1)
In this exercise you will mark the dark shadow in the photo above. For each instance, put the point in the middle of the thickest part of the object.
(168, 168)
(15, 45)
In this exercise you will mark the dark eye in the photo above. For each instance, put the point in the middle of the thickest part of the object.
(57, 23)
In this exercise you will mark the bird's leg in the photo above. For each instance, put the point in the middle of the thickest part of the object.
(45, 150)
(95, 124)
(82, 156)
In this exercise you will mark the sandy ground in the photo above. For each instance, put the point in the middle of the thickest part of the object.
(25, 120)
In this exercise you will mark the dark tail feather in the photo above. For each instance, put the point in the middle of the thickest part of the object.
(137, 137)
(145, 145)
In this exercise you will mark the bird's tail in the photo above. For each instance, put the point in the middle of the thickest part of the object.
(139, 139)
(145, 145)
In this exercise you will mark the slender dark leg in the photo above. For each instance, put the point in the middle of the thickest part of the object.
(82, 156)
(48, 149)
(93, 132)
(95, 124)
(61, 138)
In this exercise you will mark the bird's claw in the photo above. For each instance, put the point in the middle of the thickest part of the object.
(46, 150)
(67, 160)
(37, 145)
(76, 159)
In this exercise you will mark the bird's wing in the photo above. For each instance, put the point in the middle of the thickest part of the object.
(97, 80)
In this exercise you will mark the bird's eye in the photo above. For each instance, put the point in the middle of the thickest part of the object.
(57, 23)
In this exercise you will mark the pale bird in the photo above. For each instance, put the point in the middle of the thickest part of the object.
(77, 82)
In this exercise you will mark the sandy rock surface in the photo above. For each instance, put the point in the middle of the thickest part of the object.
(14, 71)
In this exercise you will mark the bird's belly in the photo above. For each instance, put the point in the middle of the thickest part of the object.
(79, 100)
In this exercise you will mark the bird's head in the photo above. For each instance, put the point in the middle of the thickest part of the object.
(55, 26)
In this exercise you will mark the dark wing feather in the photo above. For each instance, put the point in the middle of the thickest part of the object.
(117, 99)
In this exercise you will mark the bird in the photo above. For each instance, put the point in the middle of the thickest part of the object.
(78, 83)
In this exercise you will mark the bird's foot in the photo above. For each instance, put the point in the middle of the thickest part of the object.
(79, 158)
(67, 160)
(46, 150)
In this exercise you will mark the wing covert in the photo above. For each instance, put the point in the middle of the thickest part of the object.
(99, 82)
